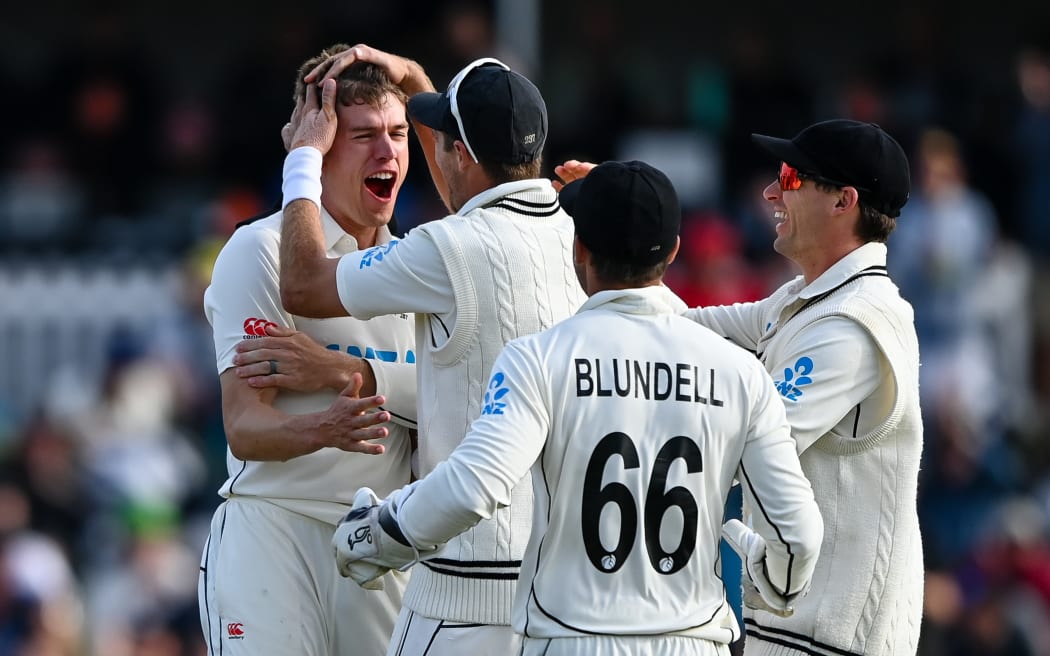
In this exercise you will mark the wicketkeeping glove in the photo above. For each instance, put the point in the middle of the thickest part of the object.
(759, 593)
(368, 543)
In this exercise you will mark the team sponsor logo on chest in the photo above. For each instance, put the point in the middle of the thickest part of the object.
(653, 381)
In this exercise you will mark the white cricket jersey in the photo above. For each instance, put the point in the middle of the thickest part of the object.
(635, 423)
(844, 355)
(243, 296)
(500, 269)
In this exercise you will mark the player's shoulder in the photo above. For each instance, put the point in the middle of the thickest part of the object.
(251, 244)
(260, 231)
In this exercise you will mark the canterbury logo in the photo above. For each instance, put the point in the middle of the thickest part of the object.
(257, 327)
(235, 630)
(363, 534)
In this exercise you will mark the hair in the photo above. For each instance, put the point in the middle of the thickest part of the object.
(361, 83)
(617, 272)
(873, 225)
(497, 172)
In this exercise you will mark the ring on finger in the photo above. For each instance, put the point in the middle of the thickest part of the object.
(273, 367)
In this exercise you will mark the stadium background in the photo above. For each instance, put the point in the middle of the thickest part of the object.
(136, 135)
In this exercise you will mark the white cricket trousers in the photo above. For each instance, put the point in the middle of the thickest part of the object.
(623, 646)
(418, 635)
(269, 586)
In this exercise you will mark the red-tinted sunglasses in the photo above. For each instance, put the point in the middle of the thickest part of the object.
(791, 179)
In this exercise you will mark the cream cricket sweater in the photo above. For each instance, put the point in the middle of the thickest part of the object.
(866, 596)
(510, 265)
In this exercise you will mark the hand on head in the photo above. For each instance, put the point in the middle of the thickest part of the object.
(313, 121)
(397, 68)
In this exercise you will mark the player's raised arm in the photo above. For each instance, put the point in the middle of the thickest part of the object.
(308, 285)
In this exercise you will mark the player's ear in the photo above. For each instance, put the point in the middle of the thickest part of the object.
(580, 254)
(674, 251)
(847, 198)
(463, 157)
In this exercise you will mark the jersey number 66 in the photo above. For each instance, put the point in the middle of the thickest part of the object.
(657, 502)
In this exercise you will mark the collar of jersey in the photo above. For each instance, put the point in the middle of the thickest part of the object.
(333, 233)
(656, 299)
(506, 189)
(870, 254)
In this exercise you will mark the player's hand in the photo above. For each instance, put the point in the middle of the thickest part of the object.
(313, 121)
(754, 600)
(288, 131)
(403, 72)
(369, 542)
(759, 592)
(350, 422)
(354, 528)
(569, 171)
(396, 67)
(288, 359)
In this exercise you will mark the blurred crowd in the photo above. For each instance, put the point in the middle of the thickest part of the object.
(117, 192)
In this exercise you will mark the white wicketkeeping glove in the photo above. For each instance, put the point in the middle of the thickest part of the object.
(759, 593)
(368, 543)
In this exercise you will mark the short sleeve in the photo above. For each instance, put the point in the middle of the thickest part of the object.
(403, 275)
(244, 295)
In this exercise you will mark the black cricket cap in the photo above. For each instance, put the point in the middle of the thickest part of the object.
(625, 211)
(850, 153)
(504, 117)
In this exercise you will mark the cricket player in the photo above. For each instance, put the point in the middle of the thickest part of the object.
(840, 343)
(497, 269)
(635, 422)
(296, 455)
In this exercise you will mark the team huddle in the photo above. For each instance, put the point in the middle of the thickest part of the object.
(513, 437)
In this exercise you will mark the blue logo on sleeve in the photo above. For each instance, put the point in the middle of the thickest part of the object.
(493, 395)
(795, 378)
(369, 353)
(376, 254)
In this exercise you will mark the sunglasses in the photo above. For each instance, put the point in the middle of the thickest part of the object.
(791, 179)
(453, 92)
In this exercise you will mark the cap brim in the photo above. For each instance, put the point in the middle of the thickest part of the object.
(569, 194)
(431, 109)
(785, 150)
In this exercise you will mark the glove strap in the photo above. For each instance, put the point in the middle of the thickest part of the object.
(391, 527)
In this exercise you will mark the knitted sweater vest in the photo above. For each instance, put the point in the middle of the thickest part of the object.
(867, 590)
(510, 264)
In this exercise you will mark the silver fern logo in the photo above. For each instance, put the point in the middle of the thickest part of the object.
(493, 402)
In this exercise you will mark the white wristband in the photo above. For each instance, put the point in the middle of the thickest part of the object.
(302, 176)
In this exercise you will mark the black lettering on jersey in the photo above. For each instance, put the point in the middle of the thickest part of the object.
(626, 389)
(682, 378)
(711, 391)
(583, 375)
(664, 393)
(641, 380)
(598, 379)
(652, 381)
